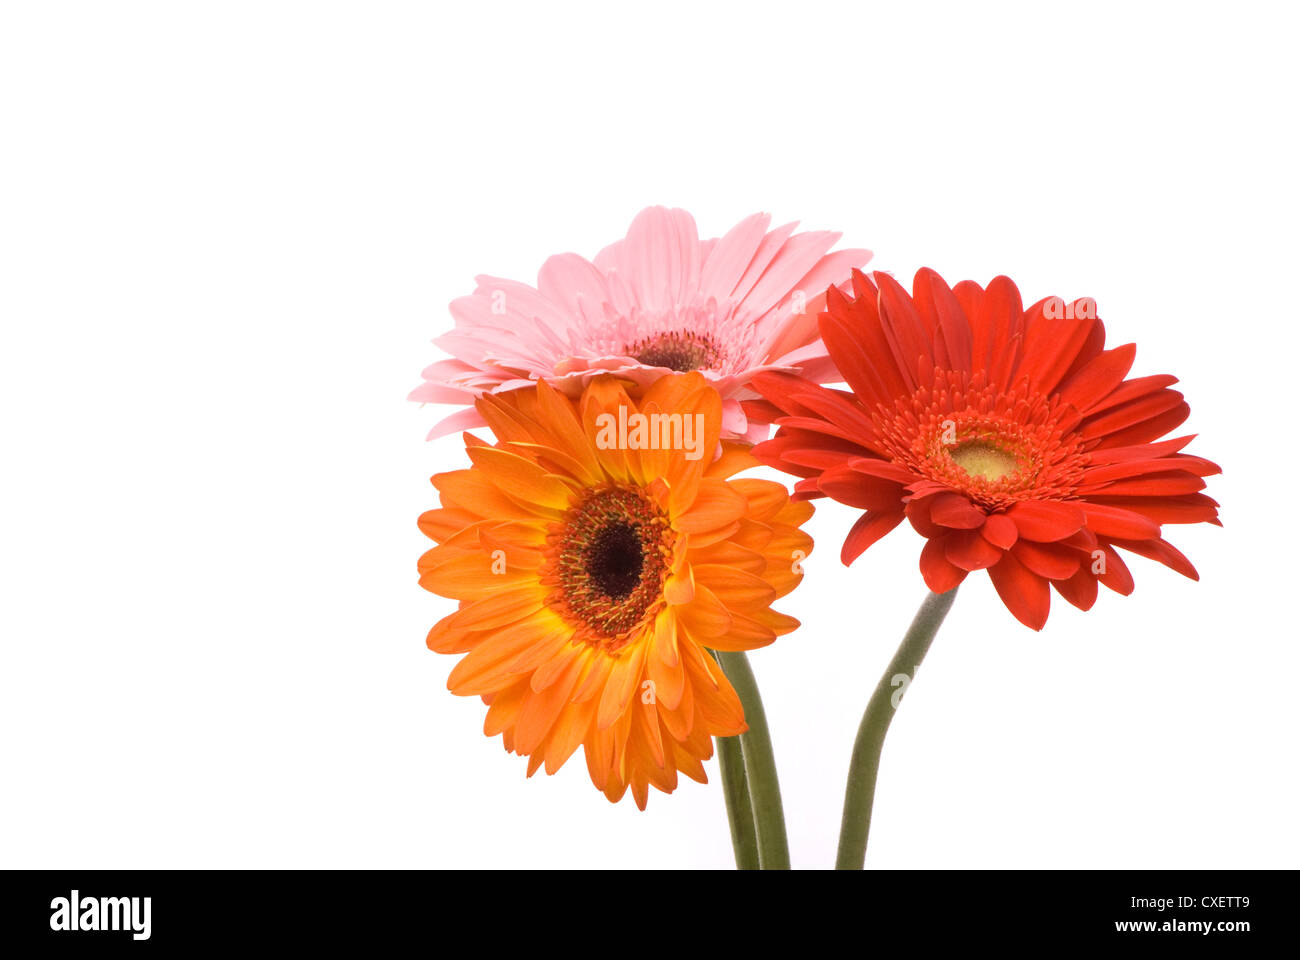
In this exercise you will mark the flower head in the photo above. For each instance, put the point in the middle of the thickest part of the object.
(659, 301)
(1008, 437)
(594, 574)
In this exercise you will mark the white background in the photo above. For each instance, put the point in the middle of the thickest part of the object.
(229, 230)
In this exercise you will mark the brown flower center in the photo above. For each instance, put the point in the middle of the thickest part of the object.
(680, 350)
(615, 559)
(606, 560)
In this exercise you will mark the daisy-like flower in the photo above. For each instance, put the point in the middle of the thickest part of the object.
(659, 301)
(593, 575)
(1008, 437)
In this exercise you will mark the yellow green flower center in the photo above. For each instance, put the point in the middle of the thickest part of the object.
(979, 458)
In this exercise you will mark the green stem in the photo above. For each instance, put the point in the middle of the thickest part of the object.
(740, 811)
(735, 791)
(861, 789)
(760, 766)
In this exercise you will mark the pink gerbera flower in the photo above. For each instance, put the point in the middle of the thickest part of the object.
(660, 300)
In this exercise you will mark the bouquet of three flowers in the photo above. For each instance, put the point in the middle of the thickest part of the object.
(611, 561)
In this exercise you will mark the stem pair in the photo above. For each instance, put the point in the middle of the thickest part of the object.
(749, 780)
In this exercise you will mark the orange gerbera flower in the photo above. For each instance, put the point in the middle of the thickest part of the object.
(1009, 438)
(597, 551)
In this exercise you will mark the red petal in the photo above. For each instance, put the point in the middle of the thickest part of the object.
(863, 289)
(997, 330)
(868, 528)
(1000, 530)
(1025, 594)
(1050, 561)
(1162, 552)
(904, 329)
(849, 415)
(1114, 572)
(1133, 389)
(939, 573)
(1116, 522)
(1144, 420)
(1046, 520)
(811, 461)
(1190, 508)
(1108, 453)
(861, 491)
(1099, 377)
(1137, 468)
(970, 551)
(1152, 429)
(789, 440)
(1171, 483)
(883, 469)
(1080, 589)
(808, 488)
(918, 512)
(845, 344)
(944, 314)
(954, 510)
(858, 321)
(1051, 346)
(1197, 465)
(1091, 348)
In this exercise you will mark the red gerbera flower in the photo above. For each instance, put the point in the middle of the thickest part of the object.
(1008, 437)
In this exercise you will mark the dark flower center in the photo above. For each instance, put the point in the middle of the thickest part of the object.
(615, 559)
(607, 560)
(681, 351)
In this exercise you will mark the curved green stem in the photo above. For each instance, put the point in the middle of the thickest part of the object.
(861, 789)
(740, 811)
(760, 766)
